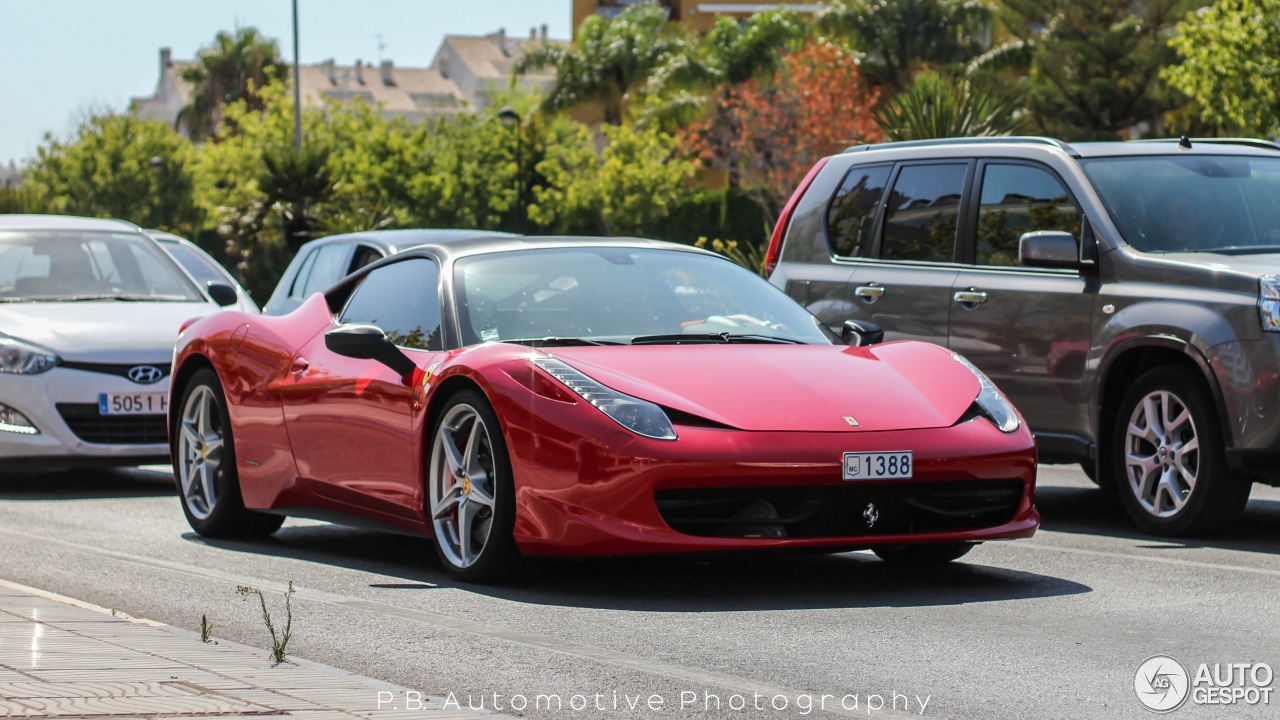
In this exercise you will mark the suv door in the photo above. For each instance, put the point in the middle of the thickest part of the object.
(1027, 328)
(363, 401)
(906, 287)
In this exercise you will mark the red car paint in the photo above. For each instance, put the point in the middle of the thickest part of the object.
(324, 435)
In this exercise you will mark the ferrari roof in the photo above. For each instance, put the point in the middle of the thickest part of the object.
(491, 244)
(394, 240)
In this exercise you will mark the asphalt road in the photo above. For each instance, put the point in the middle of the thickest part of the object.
(1052, 627)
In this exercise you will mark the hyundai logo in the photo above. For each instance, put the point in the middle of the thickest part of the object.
(145, 374)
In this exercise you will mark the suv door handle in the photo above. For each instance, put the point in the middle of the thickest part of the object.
(870, 293)
(970, 297)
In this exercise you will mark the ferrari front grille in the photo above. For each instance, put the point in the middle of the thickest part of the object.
(822, 511)
(91, 427)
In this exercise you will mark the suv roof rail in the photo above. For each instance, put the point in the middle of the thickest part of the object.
(989, 140)
(1246, 142)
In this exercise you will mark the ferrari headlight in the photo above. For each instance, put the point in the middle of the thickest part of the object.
(1269, 302)
(991, 401)
(639, 416)
(21, 358)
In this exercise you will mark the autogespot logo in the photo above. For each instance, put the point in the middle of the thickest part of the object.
(1162, 683)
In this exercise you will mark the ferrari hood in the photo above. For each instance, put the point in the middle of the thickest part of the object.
(806, 388)
(105, 331)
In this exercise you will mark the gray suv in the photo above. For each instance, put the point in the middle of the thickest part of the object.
(1125, 296)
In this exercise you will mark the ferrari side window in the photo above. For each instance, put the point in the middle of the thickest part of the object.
(403, 299)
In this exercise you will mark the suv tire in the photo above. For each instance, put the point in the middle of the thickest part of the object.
(1168, 460)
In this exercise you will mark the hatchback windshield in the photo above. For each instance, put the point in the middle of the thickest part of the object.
(1201, 203)
(623, 295)
(68, 266)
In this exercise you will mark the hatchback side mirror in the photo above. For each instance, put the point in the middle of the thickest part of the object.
(222, 293)
(1049, 249)
(368, 342)
(860, 333)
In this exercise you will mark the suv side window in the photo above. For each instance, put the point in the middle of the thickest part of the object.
(852, 213)
(1017, 199)
(329, 267)
(923, 211)
(403, 299)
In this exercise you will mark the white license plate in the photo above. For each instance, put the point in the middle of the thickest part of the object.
(877, 465)
(133, 403)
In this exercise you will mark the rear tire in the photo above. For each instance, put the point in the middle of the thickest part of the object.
(923, 554)
(1167, 455)
(205, 465)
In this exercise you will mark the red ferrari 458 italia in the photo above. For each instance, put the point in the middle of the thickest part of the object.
(515, 397)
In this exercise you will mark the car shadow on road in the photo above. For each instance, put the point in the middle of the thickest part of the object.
(669, 584)
(88, 484)
(1092, 511)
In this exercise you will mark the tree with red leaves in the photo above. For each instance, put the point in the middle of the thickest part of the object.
(767, 132)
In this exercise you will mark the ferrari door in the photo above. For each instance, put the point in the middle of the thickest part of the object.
(350, 420)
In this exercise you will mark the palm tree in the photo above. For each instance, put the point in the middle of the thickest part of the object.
(613, 61)
(898, 37)
(937, 107)
(233, 68)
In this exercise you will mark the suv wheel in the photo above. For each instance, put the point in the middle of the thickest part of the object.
(1168, 457)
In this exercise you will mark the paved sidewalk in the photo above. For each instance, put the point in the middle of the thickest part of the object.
(63, 658)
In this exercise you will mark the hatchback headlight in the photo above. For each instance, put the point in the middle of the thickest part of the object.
(639, 416)
(991, 401)
(1269, 302)
(23, 358)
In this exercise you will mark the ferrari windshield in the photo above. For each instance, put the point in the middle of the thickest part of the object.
(1192, 203)
(622, 295)
(68, 266)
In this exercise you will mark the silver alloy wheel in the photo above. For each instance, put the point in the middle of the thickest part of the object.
(200, 443)
(462, 482)
(1162, 453)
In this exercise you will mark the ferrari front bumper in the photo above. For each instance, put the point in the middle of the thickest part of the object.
(724, 490)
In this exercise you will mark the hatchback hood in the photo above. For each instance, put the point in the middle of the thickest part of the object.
(806, 388)
(102, 331)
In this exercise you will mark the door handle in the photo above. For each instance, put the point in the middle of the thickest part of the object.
(970, 297)
(300, 365)
(870, 293)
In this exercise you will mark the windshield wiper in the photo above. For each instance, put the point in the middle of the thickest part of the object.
(560, 341)
(720, 338)
(1243, 250)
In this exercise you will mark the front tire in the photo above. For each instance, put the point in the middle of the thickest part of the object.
(1168, 457)
(471, 491)
(205, 466)
(923, 554)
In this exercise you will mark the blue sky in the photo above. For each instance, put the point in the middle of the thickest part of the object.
(60, 59)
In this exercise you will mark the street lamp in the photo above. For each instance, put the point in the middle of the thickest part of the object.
(512, 119)
(297, 85)
(159, 165)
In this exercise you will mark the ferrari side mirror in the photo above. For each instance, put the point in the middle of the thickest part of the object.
(368, 342)
(860, 333)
